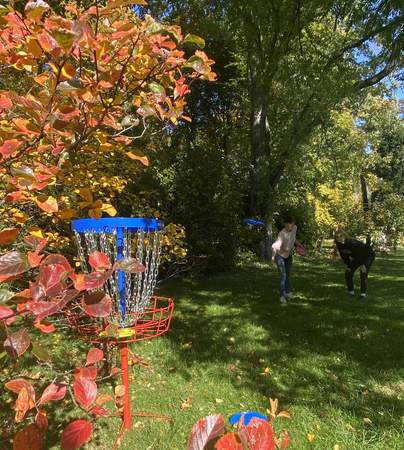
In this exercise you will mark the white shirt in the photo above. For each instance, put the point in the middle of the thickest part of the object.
(285, 242)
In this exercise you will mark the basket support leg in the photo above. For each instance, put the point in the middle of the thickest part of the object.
(127, 415)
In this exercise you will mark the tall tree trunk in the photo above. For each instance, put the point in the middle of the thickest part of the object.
(259, 138)
(365, 203)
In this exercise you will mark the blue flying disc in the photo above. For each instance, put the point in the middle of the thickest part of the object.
(247, 417)
(254, 222)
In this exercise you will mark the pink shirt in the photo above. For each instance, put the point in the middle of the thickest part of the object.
(285, 242)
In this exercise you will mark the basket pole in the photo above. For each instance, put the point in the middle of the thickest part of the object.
(127, 416)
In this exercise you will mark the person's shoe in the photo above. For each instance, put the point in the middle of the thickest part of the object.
(363, 296)
(283, 301)
(351, 292)
(289, 295)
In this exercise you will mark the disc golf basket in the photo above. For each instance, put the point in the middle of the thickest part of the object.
(136, 313)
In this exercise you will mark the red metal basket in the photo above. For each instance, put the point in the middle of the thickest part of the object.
(149, 324)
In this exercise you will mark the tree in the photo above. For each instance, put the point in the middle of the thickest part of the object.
(91, 81)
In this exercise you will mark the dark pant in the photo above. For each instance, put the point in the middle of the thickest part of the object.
(354, 265)
(284, 269)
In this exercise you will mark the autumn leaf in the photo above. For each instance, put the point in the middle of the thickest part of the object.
(206, 429)
(187, 403)
(41, 420)
(17, 343)
(99, 261)
(13, 263)
(76, 434)
(5, 102)
(130, 265)
(94, 355)
(229, 442)
(8, 235)
(47, 204)
(85, 392)
(29, 437)
(143, 159)
(9, 147)
(258, 434)
(54, 391)
(85, 372)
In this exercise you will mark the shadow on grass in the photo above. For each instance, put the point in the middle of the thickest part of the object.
(328, 348)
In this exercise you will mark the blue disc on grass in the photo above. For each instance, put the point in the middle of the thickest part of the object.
(247, 416)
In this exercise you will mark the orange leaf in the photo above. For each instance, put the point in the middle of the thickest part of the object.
(143, 159)
(8, 235)
(85, 194)
(49, 204)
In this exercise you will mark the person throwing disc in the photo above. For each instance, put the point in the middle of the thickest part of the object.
(282, 250)
(355, 255)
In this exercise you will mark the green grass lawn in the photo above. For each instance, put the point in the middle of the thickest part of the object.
(337, 365)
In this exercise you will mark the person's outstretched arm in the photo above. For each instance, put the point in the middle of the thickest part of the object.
(276, 246)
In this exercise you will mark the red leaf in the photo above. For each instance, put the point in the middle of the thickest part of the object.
(99, 261)
(17, 343)
(17, 384)
(85, 392)
(5, 102)
(258, 435)
(93, 280)
(51, 279)
(29, 437)
(9, 147)
(58, 259)
(37, 243)
(99, 411)
(5, 312)
(16, 196)
(55, 391)
(97, 304)
(85, 372)
(41, 420)
(76, 434)
(205, 430)
(228, 442)
(131, 265)
(13, 263)
(94, 355)
(44, 309)
(8, 235)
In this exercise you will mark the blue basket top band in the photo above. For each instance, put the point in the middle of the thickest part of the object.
(110, 224)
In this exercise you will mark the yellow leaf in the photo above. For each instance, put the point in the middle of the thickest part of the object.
(67, 214)
(143, 159)
(311, 437)
(20, 217)
(187, 403)
(36, 231)
(68, 71)
(367, 420)
(219, 400)
(109, 209)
